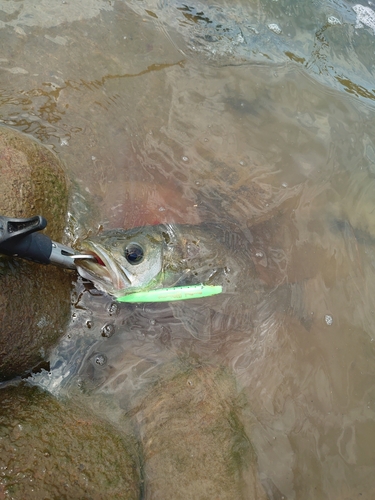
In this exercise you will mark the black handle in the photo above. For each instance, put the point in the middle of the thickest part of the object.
(19, 238)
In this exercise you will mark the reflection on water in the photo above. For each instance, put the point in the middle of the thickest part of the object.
(186, 113)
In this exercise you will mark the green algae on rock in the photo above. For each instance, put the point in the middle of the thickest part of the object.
(55, 449)
(34, 299)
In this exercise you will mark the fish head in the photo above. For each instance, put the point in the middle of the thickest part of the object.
(126, 260)
(162, 256)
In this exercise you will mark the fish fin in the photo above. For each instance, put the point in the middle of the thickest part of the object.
(196, 318)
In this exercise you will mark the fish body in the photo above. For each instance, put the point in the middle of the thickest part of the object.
(180, 255)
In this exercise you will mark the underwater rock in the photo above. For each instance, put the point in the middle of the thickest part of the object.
(194, 443)
(34, 299)
(53, 449)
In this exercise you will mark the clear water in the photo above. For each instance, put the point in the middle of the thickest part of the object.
(256, 115)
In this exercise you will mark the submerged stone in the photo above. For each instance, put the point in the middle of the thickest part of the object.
(195, 446)
(55, 449)
(34, 299)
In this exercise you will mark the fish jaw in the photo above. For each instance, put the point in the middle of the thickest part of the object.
(106, 275)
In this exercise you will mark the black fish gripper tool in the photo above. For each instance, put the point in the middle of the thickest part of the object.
(21, 238)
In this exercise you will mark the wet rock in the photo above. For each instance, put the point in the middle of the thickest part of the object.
(53, 449)
(34, 299)
(195, 446)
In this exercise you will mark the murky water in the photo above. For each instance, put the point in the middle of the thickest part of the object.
(257, 116)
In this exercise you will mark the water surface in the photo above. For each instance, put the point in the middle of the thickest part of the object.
(257, 116)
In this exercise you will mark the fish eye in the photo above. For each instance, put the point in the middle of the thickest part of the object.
(134, 253)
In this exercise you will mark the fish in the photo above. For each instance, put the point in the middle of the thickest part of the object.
(166, 255)
(177, 255)
(112, 344)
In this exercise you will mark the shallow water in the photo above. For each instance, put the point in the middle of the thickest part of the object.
(170, 112)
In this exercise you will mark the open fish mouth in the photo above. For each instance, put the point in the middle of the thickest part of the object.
(104, 272)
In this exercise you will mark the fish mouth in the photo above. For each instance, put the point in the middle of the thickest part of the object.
(106, 275)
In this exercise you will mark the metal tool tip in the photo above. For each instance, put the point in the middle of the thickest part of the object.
(79, 256)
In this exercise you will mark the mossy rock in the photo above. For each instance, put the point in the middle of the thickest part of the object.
(34, 299)
(194, 442)
(57, 450)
